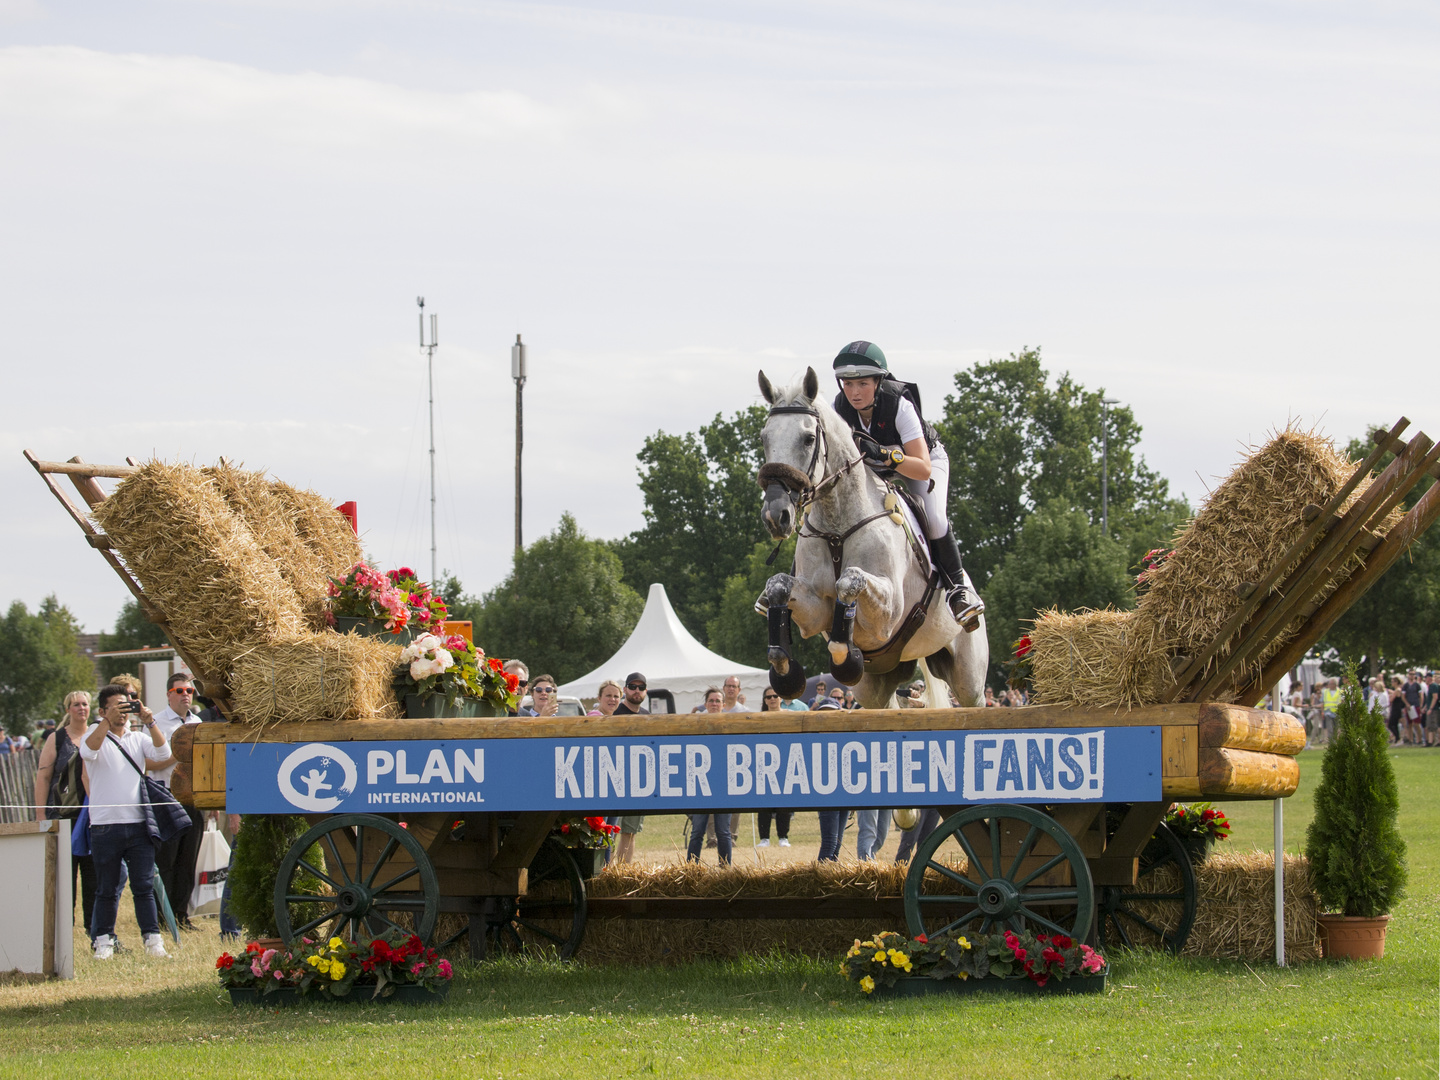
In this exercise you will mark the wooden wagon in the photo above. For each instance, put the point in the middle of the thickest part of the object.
(1054, 813)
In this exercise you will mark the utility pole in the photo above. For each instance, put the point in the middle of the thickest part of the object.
(1105, 403)
(430, 362)
(517, 372)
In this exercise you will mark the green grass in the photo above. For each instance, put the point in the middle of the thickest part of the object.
(775, 1016)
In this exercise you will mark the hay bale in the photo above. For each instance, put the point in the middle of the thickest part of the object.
(1235, 914)
(1097, 659)
(274, 520)
(1244, 528)
(199, 564)
(325, 531)
(316, 676)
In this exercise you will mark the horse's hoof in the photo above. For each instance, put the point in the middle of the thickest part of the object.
(789, 683)
(779, 660)
(839, 652)
(850, 669)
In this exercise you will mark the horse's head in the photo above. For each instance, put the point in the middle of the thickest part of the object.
(793, 442)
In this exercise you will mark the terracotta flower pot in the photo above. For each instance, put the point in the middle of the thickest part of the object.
(1351, 937)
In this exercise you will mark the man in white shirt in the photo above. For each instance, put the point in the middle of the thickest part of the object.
(732, 702)
(175, 859)
(118, 833)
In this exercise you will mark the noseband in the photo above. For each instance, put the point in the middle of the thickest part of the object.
(801, 485)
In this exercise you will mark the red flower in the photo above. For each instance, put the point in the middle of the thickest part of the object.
(596, 823)
(1022, 647)
(380, 949)
(225, 961)
(254, 947)
(495, 665)
(1040, 980)
(1050, 956)
(1060, 941)
(923, 940)
(565, 828)
(1020, 954)
(512, 681)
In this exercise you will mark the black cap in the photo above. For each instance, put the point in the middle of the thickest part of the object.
(635, 676)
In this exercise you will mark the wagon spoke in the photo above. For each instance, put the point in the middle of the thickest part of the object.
(391, 903)
(995, 843)
(1143, 922)
(360, 853)
(308, 898)
(1056, 861)
(316, 922)
(397, 879)
(985, 926)
(1063, 894)
(953, 875)
(1029, 843)
(940, 898)
(339, 862)
(1167, 857)
(385, 853)
(320, 874)
(542, 932)
(1047, 923)
(1120, 929)
(394, 926)
(975, 863)
(956, 924)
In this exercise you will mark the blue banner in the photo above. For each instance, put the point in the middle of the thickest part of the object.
(673, 774)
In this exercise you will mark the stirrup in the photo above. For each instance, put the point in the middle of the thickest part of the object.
(967, 611)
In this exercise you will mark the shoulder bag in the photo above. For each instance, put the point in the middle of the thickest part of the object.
(164, 816)
(67, 789)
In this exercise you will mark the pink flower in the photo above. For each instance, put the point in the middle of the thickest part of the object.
(417, 967)
(445, 969)
(256, 969)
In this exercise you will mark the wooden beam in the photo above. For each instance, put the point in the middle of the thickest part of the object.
(1319, 523)
(1251, 729)
(1278, 609)
(1421, 516)
(76, 467)
(1177, 751)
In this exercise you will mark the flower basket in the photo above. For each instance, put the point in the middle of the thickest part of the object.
(588, 860)
(367, 627)
(361, 994)
(920, 985)
(437, 706)
(1197, 847)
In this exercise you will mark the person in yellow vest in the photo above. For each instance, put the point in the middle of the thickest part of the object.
(1329, 702)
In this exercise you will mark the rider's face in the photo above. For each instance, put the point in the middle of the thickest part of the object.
(860, 392)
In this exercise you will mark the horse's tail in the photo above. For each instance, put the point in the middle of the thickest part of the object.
(936, 695)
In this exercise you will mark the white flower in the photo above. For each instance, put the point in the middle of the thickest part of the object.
(423, 667)
(426, 642)
(444, 659)
(409, 653)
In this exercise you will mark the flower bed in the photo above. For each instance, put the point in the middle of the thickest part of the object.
(1027, 963)
(336, 969)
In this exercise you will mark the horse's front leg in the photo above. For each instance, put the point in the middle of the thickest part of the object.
(876, 606)
(786, 601)
(847, 664)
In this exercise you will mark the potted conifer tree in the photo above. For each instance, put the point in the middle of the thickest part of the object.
(1356, 853)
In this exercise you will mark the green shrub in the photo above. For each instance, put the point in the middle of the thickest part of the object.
(1356, 853)
(260, 846)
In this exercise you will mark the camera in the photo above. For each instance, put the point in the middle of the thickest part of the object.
(132, 706)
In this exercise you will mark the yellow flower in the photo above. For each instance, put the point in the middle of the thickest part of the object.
(962, 974)
(962, 942)
(337, 971)
(336, 943)
(898, 958)
(867, 984)
(879, 958)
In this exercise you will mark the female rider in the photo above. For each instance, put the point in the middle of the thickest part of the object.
(894, 436)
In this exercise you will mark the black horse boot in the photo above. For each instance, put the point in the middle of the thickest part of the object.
(966, 607)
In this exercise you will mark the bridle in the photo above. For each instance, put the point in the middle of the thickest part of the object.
(806, 491)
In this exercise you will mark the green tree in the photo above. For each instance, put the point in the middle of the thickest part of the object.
(1396, 624)
(132, 631)
(1060, 559)
(31, 669)
(740, 634)
(64, 633)
(564, 609)
(702, 514)
(1016, 440)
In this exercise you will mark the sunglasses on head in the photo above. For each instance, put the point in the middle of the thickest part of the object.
(634, 686)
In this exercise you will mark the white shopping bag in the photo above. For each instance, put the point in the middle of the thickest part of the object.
(211, 867)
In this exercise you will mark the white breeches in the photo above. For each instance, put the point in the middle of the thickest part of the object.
(936, 523)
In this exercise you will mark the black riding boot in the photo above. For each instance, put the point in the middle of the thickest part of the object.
(964, 605)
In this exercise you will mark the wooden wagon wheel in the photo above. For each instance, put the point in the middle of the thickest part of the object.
(357, 893)
(1160, 910)
(1025, 872)
(550, 919)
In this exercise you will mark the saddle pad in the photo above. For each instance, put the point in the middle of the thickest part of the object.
(914, 522)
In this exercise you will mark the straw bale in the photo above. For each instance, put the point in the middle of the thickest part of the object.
(1097, 659)
(316, 676)
(1244, 528)
(273, 519)
(199, 564)
(1235, 915)
(323, 528)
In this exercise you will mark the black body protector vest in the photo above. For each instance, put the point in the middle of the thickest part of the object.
(887, 406)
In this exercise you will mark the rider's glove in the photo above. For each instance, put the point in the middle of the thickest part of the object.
(885, 456)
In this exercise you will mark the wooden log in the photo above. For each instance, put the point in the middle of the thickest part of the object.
(1247, 773)
(1317, 524)
(49, 928)
(1421, 516)
(778, 723)
(76, 467)
(1175, 788)
(1251, 729)
(182, 779)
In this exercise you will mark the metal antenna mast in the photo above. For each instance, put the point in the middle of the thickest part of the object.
(430, 363)
(517, 372)
(1105, 403)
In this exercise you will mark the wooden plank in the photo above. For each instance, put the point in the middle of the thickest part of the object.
(26, 828)
(47, 945)
(1275, 613)
(1115, 870)
(1135, 829)
(1322, 521)
(1251, 729)
(1177, 751)
(76, 467)
(1250, 773)
(522, 842)
(217, 767)
(204, 768)
(782, 723)
(1180, 787)
(1421, 516)
(858, 908)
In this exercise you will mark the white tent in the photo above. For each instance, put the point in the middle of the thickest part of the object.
(662, 650)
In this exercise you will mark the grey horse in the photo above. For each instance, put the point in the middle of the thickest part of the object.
(857, 575)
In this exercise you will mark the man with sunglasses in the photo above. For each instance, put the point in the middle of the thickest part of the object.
(522, 676)
(632, 704)
(634, 701)
(175, 859)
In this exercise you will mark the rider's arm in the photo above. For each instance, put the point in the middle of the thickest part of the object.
(916, 465)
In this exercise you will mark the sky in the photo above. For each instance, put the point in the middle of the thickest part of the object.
(216, 216)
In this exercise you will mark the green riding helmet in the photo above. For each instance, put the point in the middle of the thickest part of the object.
(859, 359)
